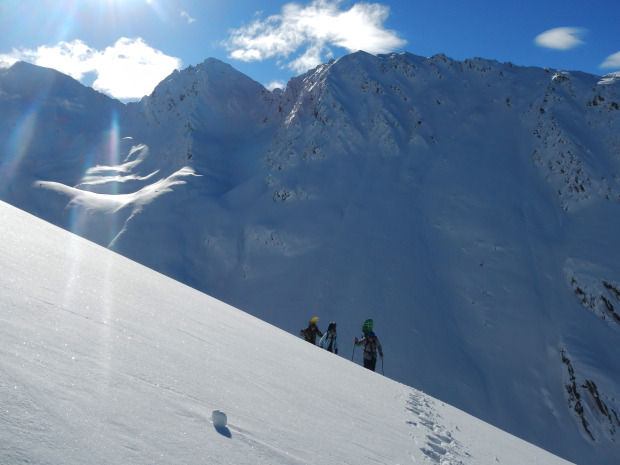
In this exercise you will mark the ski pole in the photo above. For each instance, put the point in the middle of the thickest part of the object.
(353, 352)
(382, 372)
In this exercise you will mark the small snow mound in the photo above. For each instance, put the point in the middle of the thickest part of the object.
(219, 419)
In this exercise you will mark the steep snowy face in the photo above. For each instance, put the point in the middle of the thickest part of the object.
(51, 127)
(47, 123)
(469, 207)
(580, 162)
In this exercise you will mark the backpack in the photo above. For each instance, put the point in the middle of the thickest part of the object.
(370, 349)
(323, 342)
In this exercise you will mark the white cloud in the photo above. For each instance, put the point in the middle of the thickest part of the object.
(612, 61)
(560, 38)
(276, 84)
(314, 29)
(131, 68)
(185, 15)
(127, 70)
(71, 58)
(309, 59)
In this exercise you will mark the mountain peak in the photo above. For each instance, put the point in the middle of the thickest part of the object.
(212, 76)
(37, 82)
(212, 88)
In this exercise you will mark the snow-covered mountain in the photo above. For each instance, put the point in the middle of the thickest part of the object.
(109, 362)
(469, 208)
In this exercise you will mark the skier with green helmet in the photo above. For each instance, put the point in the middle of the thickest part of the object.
(371, 345)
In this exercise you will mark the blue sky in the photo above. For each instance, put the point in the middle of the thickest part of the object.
(125, 47)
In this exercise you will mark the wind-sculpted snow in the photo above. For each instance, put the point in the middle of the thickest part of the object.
(122, 206)
(469, 207)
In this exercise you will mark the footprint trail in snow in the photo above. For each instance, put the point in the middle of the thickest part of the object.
(439, 445)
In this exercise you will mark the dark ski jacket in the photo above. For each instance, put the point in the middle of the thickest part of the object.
(370, 348)
(310, 335)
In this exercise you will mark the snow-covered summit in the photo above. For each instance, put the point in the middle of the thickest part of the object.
(612, 78)
(213, 88)
(25, 80)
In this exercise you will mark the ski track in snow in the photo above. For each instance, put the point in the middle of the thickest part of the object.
(439, 446)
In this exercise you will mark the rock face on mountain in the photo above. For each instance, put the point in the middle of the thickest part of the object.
(470, 208)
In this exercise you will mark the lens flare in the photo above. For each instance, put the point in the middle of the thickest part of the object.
(113, 143)
(18, 145)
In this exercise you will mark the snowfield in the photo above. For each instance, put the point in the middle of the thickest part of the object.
(103, 361)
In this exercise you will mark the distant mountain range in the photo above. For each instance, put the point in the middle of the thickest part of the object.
(470, 208)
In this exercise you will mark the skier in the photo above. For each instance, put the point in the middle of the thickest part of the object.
(309, 333)
(371, 345)
(329, 340)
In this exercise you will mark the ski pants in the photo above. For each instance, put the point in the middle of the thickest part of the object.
(370, 364)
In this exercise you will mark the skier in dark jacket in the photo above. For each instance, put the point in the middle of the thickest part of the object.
(329, 341)
(309, 333)
(371, 345)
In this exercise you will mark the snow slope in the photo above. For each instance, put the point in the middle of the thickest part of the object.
(105, 361)
(469, 207)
